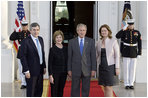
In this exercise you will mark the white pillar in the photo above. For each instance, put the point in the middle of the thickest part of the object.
(108, 14)
(120, 14)
(7, 56)
(141, 72)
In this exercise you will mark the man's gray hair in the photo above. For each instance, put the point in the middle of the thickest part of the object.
(34, 25)
(81, 25)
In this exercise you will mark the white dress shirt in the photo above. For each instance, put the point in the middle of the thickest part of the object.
(79, 39)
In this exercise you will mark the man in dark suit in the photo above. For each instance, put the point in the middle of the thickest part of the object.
(32, 57)
(81, 61)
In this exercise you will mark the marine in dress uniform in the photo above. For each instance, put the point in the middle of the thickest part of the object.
(131, 48)
(20, 36)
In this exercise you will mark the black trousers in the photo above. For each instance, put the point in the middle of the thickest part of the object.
(75, 89)
(35, 85)
(59, 83)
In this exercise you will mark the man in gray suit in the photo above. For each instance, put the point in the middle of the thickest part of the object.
(81, 61)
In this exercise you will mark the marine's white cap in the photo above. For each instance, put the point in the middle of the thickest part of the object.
(130, 21)
(24, 22)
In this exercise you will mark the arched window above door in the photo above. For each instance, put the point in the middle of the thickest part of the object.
(61, 13)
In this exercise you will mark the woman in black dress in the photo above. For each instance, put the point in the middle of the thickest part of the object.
(108, 57)
(57, 65)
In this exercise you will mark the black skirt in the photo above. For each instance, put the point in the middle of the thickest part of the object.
(106, 73)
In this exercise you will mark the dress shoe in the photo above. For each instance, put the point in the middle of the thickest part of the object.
(126, 87)
(23, 87)
(131, 87)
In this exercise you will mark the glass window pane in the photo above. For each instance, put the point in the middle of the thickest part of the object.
(61, 11)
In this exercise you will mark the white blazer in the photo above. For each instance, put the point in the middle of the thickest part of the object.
(112, 52)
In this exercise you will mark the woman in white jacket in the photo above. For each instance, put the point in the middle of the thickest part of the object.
(107, 52)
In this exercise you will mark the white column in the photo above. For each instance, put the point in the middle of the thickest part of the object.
(34, 11)
(95, 20)
(7, 56)
(108, 14)
(141, 72)
(120, 14)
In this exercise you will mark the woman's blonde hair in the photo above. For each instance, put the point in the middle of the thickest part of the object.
(56, 33)
(109, 31)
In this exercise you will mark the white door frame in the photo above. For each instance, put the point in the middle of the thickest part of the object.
(51, 23)
(95, 20)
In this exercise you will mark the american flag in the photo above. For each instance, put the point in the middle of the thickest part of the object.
(20, 16)
(127, 14)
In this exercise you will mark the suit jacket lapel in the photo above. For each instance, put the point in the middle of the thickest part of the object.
(41, 43)
(33, 44)
(78, 46)
(85, 45)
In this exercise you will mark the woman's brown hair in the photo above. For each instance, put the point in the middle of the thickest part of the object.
(109, 31)
(56, 33)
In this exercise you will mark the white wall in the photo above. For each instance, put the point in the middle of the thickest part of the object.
(108, 14)
(141, 74)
